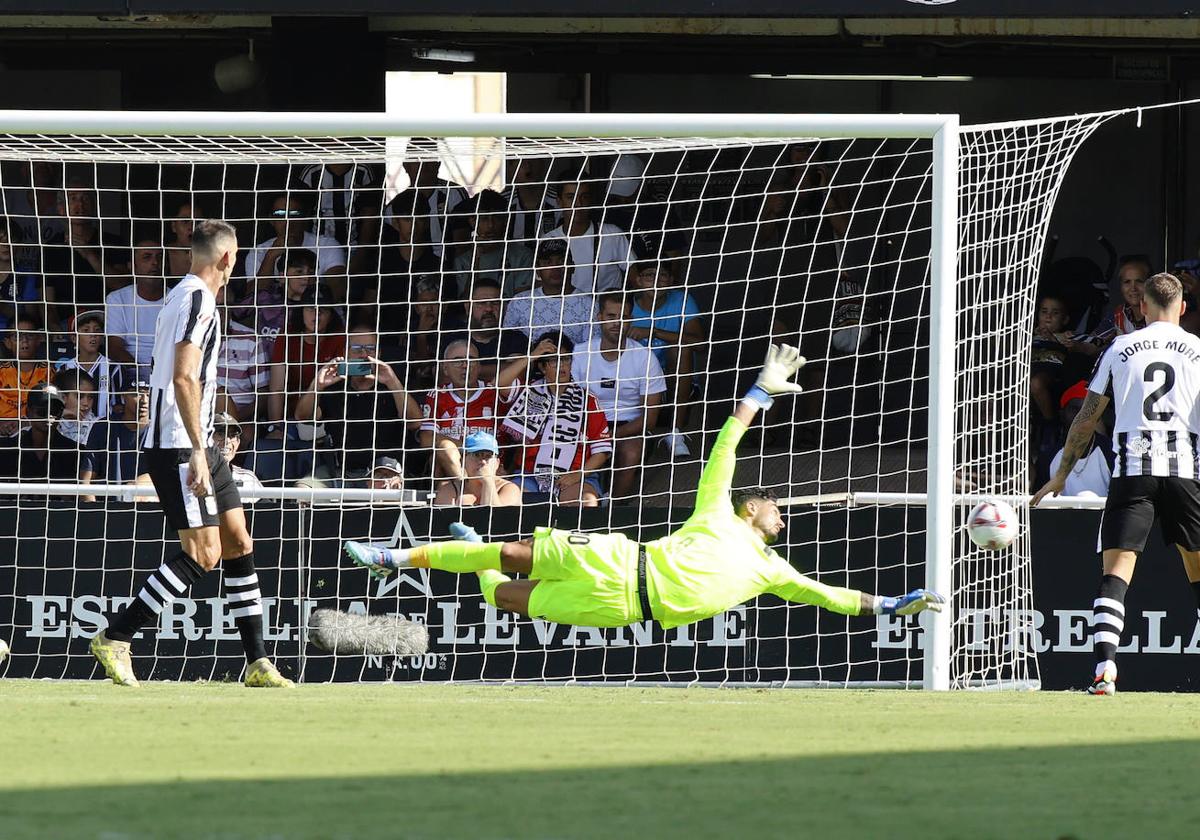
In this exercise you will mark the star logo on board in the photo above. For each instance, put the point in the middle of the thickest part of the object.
(402, 536)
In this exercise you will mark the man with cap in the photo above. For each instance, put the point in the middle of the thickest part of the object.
(387, 474)
(227, 436)
(480, 484)
(552, 305)
(1092, 473)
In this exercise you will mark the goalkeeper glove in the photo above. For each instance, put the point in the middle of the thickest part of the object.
(782, 363)
(914, 602)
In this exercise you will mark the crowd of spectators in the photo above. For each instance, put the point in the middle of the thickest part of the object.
(500, 346)
(1075, 323)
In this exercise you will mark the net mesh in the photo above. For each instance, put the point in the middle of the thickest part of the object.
(359, 248)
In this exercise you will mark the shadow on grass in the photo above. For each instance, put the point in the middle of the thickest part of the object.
(1036, 792)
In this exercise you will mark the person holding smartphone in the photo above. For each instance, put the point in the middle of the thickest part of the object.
(364, 406)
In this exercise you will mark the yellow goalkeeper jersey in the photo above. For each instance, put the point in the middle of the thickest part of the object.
(717, 561)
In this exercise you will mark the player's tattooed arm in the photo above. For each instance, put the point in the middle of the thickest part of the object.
(1079, 438)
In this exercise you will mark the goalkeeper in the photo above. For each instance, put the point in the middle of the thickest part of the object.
(718, 559)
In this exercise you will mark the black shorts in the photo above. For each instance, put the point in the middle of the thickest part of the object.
(1133, 502)
(168, 469)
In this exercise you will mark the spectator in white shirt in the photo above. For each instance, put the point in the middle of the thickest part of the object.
(550, 306)
(131, 312)
(291, 231)
(600, 251)
(627, 381)
(1092, 472)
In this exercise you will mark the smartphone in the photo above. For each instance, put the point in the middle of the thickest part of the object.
(354, 368)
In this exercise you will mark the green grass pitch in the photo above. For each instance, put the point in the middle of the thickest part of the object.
(92, 761)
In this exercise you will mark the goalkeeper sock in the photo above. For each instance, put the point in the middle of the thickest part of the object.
(489, 579)
(245, 604)
(452, 556)
(1108, 622)
(165, 584)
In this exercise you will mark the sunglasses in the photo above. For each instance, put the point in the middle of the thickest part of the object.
(284, 214)
(227, 433)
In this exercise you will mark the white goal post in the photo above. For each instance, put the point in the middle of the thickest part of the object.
(981, 201)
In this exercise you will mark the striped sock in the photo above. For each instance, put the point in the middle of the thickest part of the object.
(245, 604)
(1108, 622)
(165, 584)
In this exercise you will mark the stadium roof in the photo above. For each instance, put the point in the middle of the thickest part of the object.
(147, 10)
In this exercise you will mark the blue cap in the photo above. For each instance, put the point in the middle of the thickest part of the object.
(481, 442)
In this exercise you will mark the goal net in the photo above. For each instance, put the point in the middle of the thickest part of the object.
(389, 296)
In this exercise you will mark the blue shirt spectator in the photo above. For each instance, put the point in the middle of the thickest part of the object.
(675, 309)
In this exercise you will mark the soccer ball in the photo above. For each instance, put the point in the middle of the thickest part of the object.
(992, 525)
(3, 651)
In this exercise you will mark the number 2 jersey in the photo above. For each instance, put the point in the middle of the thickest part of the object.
(1153, 378)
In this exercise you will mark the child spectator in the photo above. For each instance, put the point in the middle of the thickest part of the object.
(25, 368)
(1048, 357)
(54, 446)
(562, 432)
(89, 357)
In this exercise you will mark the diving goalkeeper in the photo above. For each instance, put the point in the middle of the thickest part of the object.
(718, 559)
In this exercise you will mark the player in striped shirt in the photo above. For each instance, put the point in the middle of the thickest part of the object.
(1153, 377)
(190, 474)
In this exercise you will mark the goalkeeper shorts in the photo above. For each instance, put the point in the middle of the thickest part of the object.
(587, 580)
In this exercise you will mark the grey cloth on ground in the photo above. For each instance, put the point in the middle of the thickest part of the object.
(368, 635)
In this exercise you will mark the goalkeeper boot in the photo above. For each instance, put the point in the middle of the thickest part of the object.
(466, 533)
(262, 673)
(114, 656)
(1105, 684)
(380, 562)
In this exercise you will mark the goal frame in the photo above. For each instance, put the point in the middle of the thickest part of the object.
(941, 129)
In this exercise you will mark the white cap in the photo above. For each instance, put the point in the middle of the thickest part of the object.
(627, 175)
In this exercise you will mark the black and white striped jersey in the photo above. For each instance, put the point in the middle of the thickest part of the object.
(1153, 377)
(189, 314)
(341, 198)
